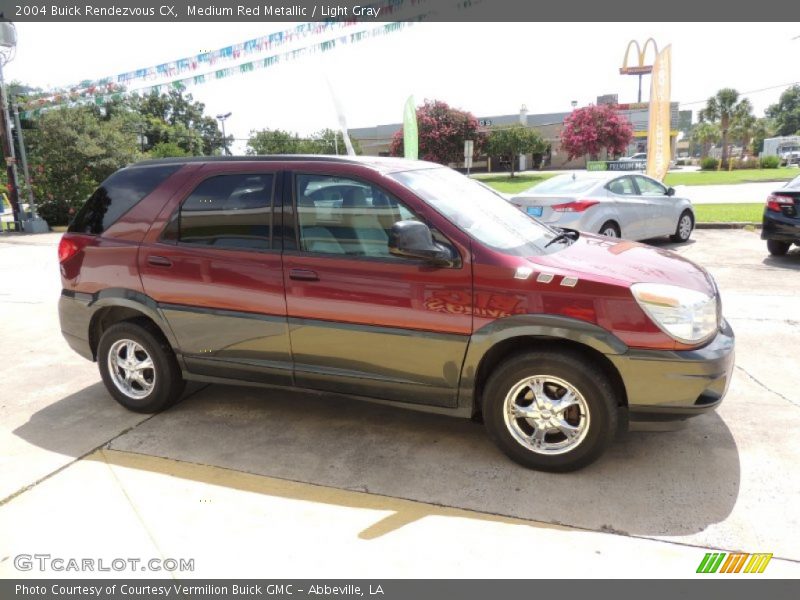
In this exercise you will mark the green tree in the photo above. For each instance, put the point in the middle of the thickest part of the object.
(786, 113)
(167, 150)
(277, 141)
(512, 141)
(70, 151)
(762, 129)
(722, 108)
(330, 141)
(705, 134)
(175, 117)
(743, 124)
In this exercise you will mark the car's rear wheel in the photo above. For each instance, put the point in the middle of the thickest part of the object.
(683, 231)
(553, 411)
(777, 248)
(610, 229)
(139, 368)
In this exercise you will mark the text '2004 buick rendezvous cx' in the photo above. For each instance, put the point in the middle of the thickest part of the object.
(397, 281)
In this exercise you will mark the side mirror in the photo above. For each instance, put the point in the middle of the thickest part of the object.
(670, 191)
(413, 239)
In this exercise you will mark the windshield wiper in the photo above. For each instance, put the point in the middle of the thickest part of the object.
(566, 234)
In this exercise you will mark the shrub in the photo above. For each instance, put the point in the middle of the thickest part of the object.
(709, 164)
(55, 212)
(770, 162)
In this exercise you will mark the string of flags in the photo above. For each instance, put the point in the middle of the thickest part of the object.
(100, 98)
(107, 89)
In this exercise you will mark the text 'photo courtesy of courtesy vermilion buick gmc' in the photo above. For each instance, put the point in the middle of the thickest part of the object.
(391, 280)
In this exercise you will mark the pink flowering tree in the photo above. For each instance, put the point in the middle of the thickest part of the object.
(591, 129)
(442, 131)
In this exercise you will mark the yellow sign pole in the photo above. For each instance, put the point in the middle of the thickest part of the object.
(658, 135)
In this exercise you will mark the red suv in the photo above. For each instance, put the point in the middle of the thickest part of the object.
(397, 281)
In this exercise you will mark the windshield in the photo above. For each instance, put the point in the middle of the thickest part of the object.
(564, 184)
(480, 212)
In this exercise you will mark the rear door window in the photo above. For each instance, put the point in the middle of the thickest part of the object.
(227, 211)
(117, 195)
(622, 187)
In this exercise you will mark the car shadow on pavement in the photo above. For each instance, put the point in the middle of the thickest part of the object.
(669, 484)
(789, 261)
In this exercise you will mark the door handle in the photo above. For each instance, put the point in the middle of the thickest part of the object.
(303, 275)
(159, 261)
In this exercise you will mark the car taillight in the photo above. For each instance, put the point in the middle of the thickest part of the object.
(776, 202)
(576, 206)
(69, 246)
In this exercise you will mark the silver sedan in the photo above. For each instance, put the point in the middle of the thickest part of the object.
(628, 205)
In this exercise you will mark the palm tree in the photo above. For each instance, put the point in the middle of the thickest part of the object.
(722, 108)
(705, 134)
(743, 124)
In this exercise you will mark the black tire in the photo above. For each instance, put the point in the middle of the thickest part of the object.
(164, 376)
(583, 376)
(777, 248)
(682, 234)
(610, 226)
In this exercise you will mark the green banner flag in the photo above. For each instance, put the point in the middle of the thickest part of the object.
(410, 135)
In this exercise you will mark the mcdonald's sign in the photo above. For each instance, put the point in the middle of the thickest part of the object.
(640, 68)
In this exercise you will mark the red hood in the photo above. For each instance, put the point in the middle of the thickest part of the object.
(625, 262)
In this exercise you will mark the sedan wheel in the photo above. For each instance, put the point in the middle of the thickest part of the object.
(683, 231)
(610, 229)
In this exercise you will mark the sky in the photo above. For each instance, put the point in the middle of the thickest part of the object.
(485, 68)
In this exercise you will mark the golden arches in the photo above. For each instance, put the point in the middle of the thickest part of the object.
(641, 51)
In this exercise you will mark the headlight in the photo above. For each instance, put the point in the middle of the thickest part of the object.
(686, 315)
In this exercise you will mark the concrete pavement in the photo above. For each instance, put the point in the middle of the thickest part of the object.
(314, 485)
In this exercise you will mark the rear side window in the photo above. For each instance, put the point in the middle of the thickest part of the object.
(227, 211)
(117, 195)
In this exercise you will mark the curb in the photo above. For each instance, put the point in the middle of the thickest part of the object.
(730, 225)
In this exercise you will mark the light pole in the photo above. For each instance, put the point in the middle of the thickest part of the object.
(221, 118)
(30, 223)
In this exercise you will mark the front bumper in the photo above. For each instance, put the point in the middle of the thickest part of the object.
(664, 385)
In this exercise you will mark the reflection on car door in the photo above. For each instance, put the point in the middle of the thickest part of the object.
(363, 321)
(216, 275)
(660, 207)
(629, 207)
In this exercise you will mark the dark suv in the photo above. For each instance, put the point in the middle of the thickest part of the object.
(398, 281)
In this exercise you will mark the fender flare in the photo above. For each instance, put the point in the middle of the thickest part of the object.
(540, 326)
(138, 301)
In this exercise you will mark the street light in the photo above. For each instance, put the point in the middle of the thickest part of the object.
(33, 223)
(574, 103)
(221, 119)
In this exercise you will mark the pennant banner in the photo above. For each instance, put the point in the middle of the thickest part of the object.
(203, 60)
(248, 67)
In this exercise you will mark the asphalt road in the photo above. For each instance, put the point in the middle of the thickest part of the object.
(312, 485)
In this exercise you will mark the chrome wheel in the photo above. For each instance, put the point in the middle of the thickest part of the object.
(685, 227)
(609, 230)
(131, 369)
(546, 415)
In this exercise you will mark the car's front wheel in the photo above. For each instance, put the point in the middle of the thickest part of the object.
(139, 368)
(683, 231)
(777, 248)
(553, 411)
